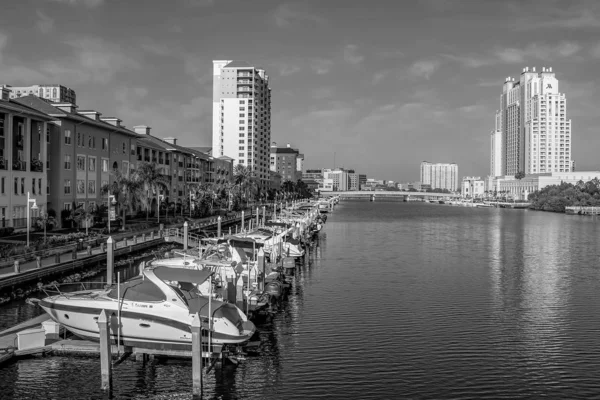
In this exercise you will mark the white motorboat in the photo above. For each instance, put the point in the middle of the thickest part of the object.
(154, 310)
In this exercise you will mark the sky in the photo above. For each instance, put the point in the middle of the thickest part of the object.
(377, 86)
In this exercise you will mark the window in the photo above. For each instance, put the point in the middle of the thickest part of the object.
(2, 183)
(242, 109)
(104, 143)
(125, 168)
(16, 185)
(48, 134)
(92, 142)
(67, 136)
(40, 186)
(241, 154)
(124, 148)
(79, 139)
(92, 187)
(242, 115)
(67, 162)
(133, 149)
(91, 206)
(244, 101)
(92, 164)
(67, 206)
(104, 165)
(80, 186)
(33, 186)
(22, 185)
(80, 163)
(242, 141)
(241, 128)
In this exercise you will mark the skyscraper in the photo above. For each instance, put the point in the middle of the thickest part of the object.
(439, 175)
(535, 132)
(54, 93)
(242, 116)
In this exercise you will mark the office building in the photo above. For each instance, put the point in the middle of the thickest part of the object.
(535, 131)
(472, 187)
(440, 175)
(54, 93)
(242, 116)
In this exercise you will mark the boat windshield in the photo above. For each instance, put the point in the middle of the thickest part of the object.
(138, 289)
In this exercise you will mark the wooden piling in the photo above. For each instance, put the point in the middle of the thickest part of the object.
(110, 259)
(264, 215)
(242, 226)
(17, 267)
(197, 357)
(257, 217)
(219, 226)
(89, 250)
(105, 351)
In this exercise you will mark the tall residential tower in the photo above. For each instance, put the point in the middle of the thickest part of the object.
(242, 116)
(535, 131)
(440, 175)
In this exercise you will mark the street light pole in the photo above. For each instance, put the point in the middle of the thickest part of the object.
(33, 207)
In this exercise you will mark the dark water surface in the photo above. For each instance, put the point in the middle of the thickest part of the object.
(400, 301)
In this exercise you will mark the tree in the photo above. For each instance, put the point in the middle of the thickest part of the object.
(45, 220)
(520, 175)
(126, 192)
(80, 214)
(244, 179)
(151, 179)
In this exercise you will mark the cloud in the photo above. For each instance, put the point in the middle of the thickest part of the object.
(424, 68)
(45, 24)
(288, 14)
(378, 77)
(550, 15)
(200, 3)
(158, 49)
(321, 66)
(351, 55)
(389, 54)
(199, 68)
(321, 93)
(285, 68)
(86, 3)
(513, 55)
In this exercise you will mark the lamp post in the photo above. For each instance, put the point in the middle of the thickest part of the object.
(33, 207)
(110, 203)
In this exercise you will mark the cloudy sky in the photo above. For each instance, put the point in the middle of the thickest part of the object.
(384, 84)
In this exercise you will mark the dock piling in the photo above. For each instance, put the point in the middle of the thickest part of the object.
(219, 226)
(242, 226)
(261, 267)
(257, 217)
(110, 259)
(197, 357)
(105, 351)
(38, 262)
(17, 267)
(185, 236)
(264, 215)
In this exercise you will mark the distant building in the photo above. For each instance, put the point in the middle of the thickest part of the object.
(440, 175)
(54, 93)
(472, 186)
(285, 161)
(362, 180)
(496, 150)
(520, 189)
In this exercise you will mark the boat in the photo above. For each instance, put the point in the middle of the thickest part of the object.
(153, 310)
(484, 205)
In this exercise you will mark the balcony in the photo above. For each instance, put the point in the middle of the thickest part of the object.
(37, 165)
(19, 166)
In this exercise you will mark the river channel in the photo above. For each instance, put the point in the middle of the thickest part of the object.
(399, 301)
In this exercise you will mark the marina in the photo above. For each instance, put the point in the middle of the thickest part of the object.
(191, 303)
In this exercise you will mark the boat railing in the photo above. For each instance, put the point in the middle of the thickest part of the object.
(58, 289)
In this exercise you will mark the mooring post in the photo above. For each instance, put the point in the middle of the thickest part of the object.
(236, 229)
(197, 357)
(242, 226)
(57, 258)
(89, 250)
(261, 267)
(257, 217)
(219, 226)
(105, 350)
(38, 262)
(141, 267)
(74, 254)
(264, 215)
(110, 258)
(185, 236)
(17, 267)
(229, 231)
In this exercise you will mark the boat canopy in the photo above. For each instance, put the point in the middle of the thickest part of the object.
(245, 243)
(276, 224)
(138, 289)
(182, 274)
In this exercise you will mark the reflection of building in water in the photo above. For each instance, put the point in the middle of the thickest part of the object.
(545, 291)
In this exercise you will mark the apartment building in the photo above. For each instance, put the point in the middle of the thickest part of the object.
(440, 175)
(83, 149)
(242, 116)
(54, 93)
(23, 143)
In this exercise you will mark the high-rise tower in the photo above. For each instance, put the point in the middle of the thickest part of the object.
(242, 116)
(535, 131)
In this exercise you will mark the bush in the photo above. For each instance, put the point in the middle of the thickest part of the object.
(6, 231)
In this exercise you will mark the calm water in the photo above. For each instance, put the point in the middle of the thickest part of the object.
(401, 301)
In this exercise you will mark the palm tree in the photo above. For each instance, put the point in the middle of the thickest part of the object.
(126, 192)
(45, 220)
(151, 179)
(243, 178)
(80, 214)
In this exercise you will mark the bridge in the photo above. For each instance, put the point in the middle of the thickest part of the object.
(382, 194)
